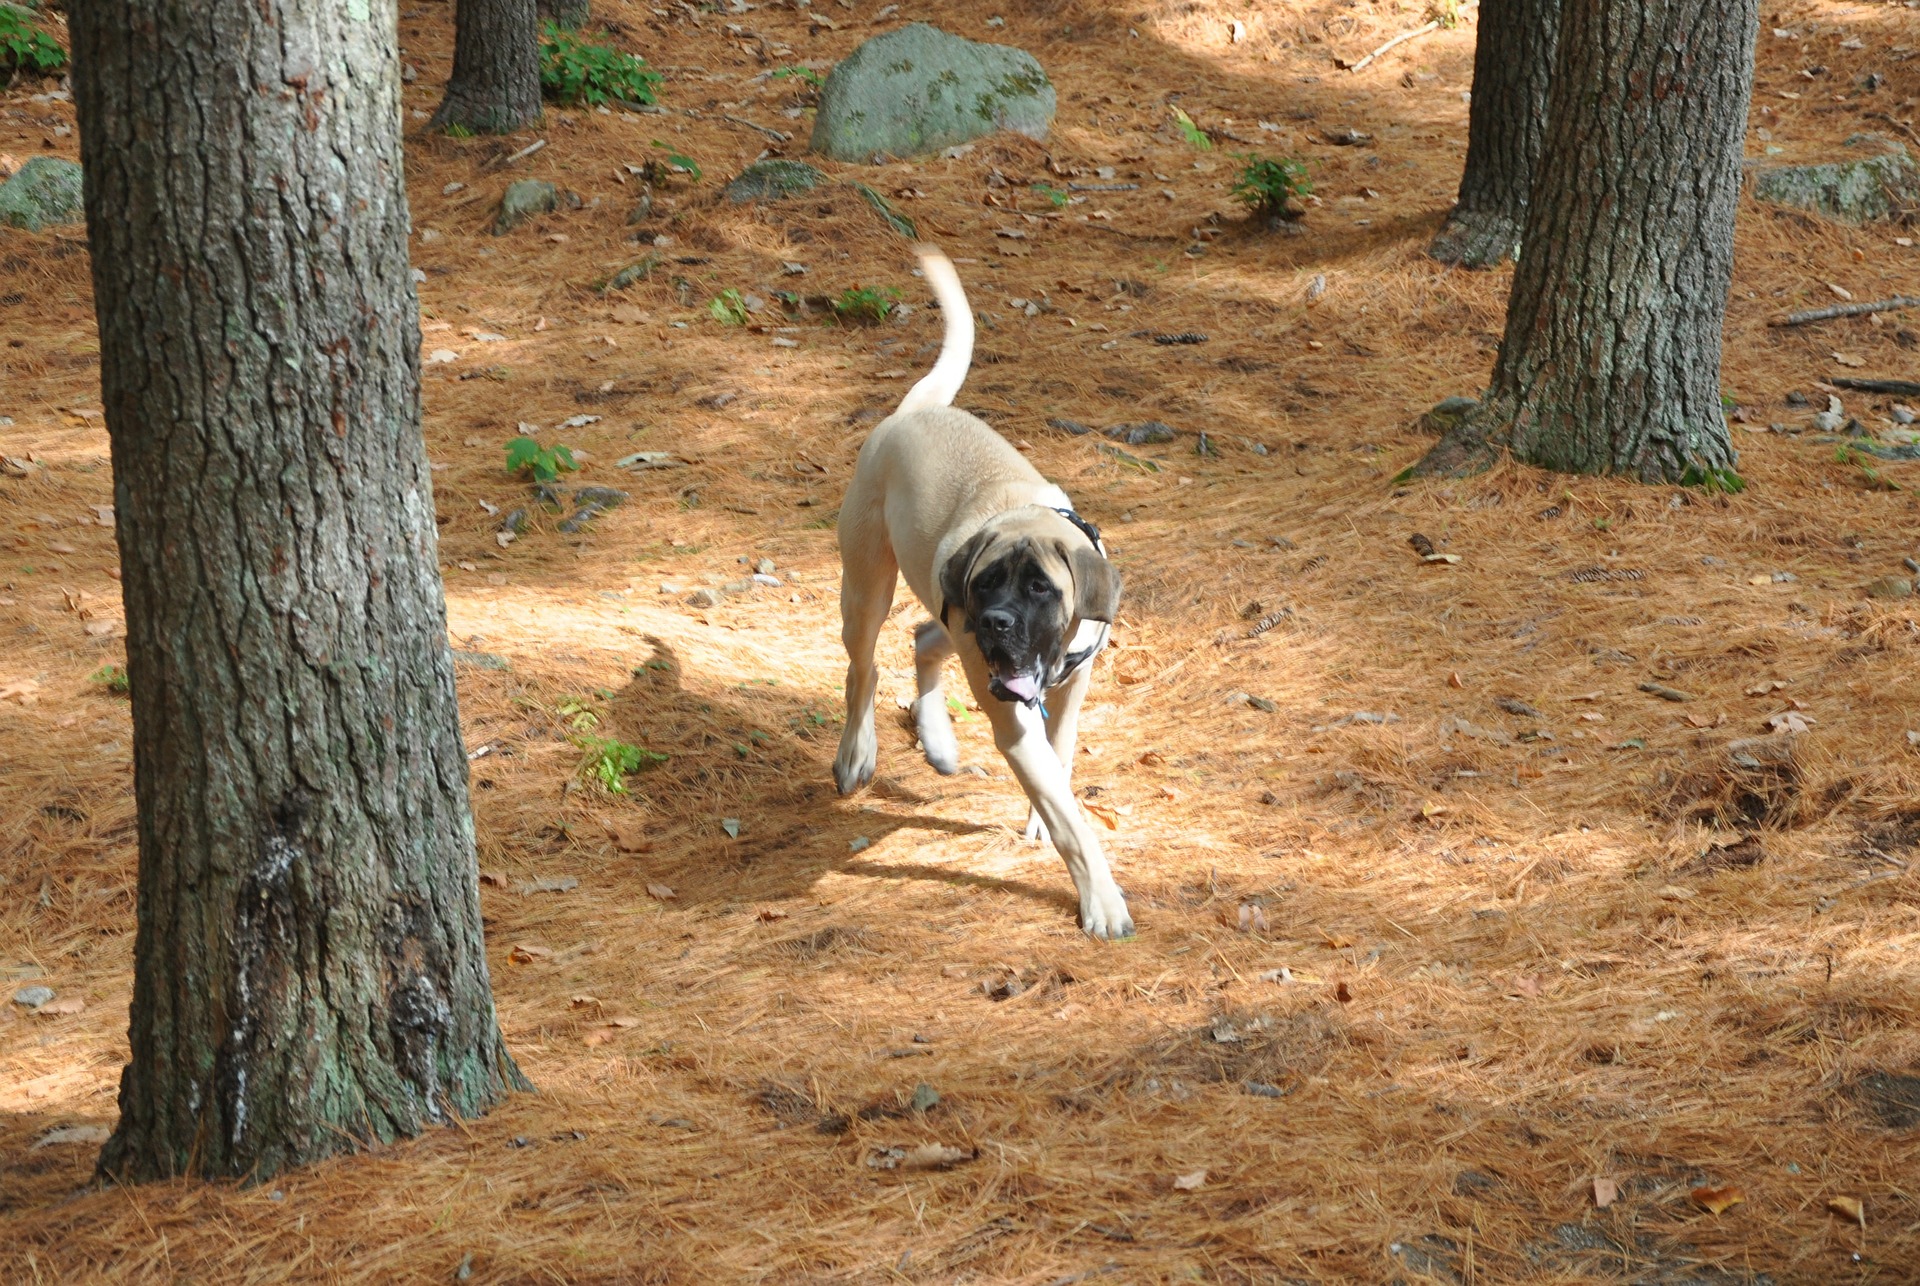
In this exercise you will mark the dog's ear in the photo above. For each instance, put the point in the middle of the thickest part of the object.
(1096, 583)
(958, 572)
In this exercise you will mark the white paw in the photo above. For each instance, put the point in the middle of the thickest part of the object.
(936, 733)
(1036, 829)
(1103, 912)
(853, 766)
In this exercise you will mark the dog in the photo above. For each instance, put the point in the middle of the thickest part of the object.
(1016, 583)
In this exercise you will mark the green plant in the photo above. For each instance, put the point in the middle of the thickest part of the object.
(674, 161)
(813, 78)
(111, 677)
(575, 70)
(525, 455)
(865, 303)
(1056, 197)
(1721, 481)
(729, 308)
(1195, 136)
(610, 761)
(1267, 186)
(580, 716)
(25, 46)
(457, 129)
(1845, 454)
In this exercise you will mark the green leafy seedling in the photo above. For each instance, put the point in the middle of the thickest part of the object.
(729, 308)
(1719, 481)
(1195, 136)
(678, 162)
(113, 678)
(610, 762)
(807, 74)
(26, 46)
(542, 463)
(580, 716)
(1056, 197)
(575, 70)
(865, 303)
(1268, 187)
(456, 129)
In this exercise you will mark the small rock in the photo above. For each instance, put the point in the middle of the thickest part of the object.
(773, 180)
(760, 578)
(522, 201)
(631, 273)
(1145, 433)
(1902, 413)
(1069, 426)
(578, 520)
(925, 1097)
(764, 567)
(605, 497)
(33, 997)
(1889, 587)
(1446, 413)
(481, 660)
(703, 597)
(45, 190)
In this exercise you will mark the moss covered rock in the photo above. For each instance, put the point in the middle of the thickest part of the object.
(46, 190)
(918, 89)
(1879, 182)
(772, 180)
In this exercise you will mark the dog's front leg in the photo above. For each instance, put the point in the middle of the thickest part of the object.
(1063, 726)
(1021, 736)
(867, 576)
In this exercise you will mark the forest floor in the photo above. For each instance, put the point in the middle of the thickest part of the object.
(1462, 957)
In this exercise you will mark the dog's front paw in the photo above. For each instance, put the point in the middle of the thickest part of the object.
(1103, 913)
(1036, 829)
(853, 766)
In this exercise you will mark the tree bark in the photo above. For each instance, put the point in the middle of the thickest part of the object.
(1611, 358)
(1512, 60)
(495, 86)
(309, 971)
(571, 14)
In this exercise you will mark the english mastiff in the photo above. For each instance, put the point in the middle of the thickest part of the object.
(1017, 584)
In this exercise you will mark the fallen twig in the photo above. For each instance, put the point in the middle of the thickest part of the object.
(774, 134)
(1897, 388)
(526, 151)
(1806, 316)
(1400, 39)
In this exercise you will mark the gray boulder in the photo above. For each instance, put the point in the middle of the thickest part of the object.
(773, 180)
(522, 201)
(46, 190)
(918, 89)
(1881, 182)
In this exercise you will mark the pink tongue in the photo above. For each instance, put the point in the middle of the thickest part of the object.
(1021, 685)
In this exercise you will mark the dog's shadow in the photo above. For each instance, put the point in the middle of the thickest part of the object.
(744, 805)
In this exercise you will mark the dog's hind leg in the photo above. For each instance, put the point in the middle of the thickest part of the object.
(868, 573)
(1063, 726)
(931, 648)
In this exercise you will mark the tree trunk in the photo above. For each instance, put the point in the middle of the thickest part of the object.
(571, 14)
(309, 972)
(1611, 358)
(1512, 57)
(495, 87)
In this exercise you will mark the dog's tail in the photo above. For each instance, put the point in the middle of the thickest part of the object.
(938, 386)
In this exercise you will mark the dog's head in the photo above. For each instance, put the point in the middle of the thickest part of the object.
(1022, 584)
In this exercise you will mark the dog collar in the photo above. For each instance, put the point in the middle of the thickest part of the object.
(1087, 529)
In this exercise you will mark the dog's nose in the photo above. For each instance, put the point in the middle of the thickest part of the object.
(996, 621)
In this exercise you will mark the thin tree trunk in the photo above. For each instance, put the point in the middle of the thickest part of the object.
(309, 972)
(495, 86)
(1611, 359)
(1512, 60)
(571, 14)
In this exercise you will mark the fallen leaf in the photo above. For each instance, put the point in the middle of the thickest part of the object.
(550, 884)
(1839, 291)
(1526, 985)
(1604, 1193)
(1107, 816)
(630, 837)
(925, 1156)
(662, 892)
(1253, 919)
(1788, 721)
(597, 1037)
(1282, 974)
(1587, 696)
(1153, 759)
(1849, 359)
(101, 628)
(584, 1002)
(61, 1007)
(1341, 993)
(1190, 1181)
(25, 691)
(1675, 892)
(769, 914)
(60, 547)
(1717, 1200)
(1766, 686)
(100, 1134)
(1338, 941)
(527, 953)
(1850, 1208)
(731, 825)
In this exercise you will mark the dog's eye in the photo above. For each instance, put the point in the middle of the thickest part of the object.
(1040, 588)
